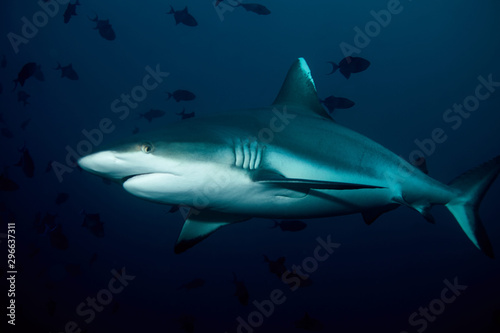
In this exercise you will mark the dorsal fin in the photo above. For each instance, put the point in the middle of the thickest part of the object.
(299, 89)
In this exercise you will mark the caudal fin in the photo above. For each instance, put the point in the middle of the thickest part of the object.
(473, 185)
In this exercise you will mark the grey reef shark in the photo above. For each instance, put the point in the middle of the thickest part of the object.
(290, 160)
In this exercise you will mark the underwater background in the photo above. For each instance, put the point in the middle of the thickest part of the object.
(425, 57)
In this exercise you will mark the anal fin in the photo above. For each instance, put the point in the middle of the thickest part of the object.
(369, 216)
(422, 207)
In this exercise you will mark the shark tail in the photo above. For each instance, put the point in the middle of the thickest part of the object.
(172, 11)
(169, 95)
(276, 224)
(473, 186)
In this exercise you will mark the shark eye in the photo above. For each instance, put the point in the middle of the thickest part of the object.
(147, 148)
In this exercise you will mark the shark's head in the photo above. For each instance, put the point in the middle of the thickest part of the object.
(145, 167)
(126, 160)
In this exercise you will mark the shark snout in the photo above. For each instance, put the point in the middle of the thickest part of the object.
(105, 163)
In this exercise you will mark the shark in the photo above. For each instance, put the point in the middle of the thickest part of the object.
(289, 160)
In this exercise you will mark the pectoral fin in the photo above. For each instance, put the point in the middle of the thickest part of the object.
(201, 224)
(304, 185)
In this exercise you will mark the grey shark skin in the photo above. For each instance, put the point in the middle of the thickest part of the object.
(286, 161)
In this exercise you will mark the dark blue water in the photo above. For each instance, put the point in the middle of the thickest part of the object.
(429, 56)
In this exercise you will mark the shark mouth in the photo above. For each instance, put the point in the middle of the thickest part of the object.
(124, 179)
(127, 178)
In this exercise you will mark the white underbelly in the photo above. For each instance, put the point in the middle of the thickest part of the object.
(230, 190)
